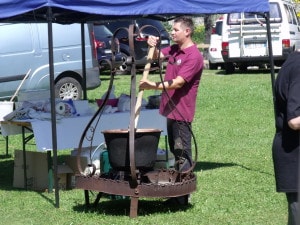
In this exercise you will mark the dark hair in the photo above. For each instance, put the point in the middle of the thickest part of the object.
(186, 21)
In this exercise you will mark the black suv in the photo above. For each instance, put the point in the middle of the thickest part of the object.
(140, 46)
(103, 38)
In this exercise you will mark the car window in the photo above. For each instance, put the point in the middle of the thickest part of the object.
(218, 27)
(151, 22)
(294, 15)
(15, 43)
(139, 23)
(102, 31)
(252, 18)
(289, 18)
(290, 14)
(113, 26)
(275, 11)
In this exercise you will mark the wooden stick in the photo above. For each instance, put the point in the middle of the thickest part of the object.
(18, 89)
(138, 103)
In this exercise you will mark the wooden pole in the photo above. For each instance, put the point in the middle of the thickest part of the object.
(141, 91)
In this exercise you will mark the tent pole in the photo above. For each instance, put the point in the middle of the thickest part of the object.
(83, 53)
(52, 102)
(267, 17)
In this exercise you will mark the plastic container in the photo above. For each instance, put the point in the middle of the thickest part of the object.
(111, 102)
(6, 107)
(104, 163)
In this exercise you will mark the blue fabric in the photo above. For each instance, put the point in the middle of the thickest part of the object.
(119, 8)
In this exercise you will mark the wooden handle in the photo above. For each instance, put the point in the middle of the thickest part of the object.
(138, 103)
(18, 89)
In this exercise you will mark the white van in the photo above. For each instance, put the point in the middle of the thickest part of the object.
(244, 36)
(24, 47)
(215, 58)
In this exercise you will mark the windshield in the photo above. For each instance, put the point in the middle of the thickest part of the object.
(101, 31)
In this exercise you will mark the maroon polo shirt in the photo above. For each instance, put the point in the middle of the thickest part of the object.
(180, 104)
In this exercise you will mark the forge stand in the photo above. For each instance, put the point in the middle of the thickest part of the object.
(135, 183)
(154, 184)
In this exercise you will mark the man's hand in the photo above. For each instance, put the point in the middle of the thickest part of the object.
(146, 84)
(152, 41)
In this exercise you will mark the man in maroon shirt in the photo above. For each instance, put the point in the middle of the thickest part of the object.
(179, 91)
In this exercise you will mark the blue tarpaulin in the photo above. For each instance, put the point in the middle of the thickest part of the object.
(111, 9)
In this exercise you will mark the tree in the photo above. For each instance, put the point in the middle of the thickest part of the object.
(208, 25)
(297, 6)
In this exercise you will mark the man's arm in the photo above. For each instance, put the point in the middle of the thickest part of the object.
(294, 123)
(176, 83)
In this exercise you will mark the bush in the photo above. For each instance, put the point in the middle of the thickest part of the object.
(199, 34)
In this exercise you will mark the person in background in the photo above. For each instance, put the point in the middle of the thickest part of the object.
(179, 91)
(285, 147)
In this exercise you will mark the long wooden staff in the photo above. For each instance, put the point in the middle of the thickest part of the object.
(18, 89)
(138, 103)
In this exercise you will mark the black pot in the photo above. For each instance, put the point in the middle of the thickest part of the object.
(153, 101)
(145, 148)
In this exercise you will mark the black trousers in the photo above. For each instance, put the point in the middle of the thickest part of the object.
(180, 136)
(293, 208)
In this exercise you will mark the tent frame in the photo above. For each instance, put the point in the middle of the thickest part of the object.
(53, 13)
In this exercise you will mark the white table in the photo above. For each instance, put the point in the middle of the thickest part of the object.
(69, 130)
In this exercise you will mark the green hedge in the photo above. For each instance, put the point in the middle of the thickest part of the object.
(199, 34)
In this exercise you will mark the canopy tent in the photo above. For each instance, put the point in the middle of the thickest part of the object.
(86, 10)
(80, 11)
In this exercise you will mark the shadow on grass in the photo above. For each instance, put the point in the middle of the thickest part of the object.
(211, 165)
(121, 207)
(214, 165)
(247, 72)
(6, 172)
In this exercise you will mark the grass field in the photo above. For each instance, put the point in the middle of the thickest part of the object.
(234, 127)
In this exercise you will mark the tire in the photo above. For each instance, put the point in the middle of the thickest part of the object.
(124, 68)
(229, 68)
(68, 88)
(212, 66)
(263, 66)
(243, 67)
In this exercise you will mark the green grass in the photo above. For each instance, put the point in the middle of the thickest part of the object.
(234, 128)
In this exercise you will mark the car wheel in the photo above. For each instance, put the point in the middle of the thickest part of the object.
(124, 68)
(263, 66)
(229, 68)
(212, 66)
(68, 88)
(243, 67)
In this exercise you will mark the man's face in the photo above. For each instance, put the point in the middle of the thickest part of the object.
(179, 33)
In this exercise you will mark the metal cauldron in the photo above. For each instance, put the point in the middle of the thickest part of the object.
(146, 143)
(153, 102)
